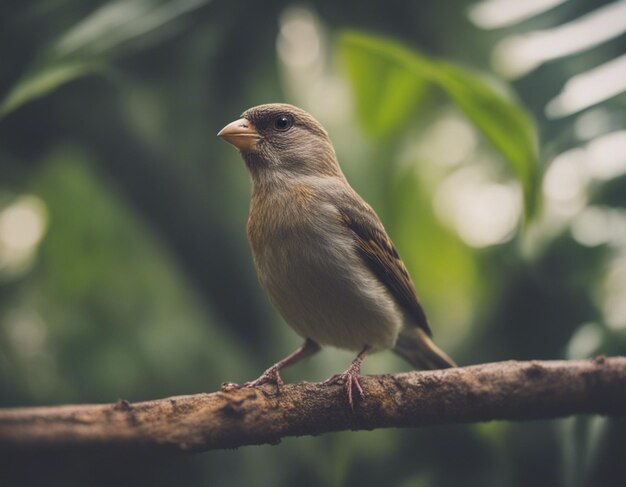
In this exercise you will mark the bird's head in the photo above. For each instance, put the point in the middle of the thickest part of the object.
(282, 140)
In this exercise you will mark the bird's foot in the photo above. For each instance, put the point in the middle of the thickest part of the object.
(350, 379)
(270, 376)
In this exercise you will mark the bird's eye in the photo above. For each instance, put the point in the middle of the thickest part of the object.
(283, 123)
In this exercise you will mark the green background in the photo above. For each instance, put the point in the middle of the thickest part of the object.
(124, 266)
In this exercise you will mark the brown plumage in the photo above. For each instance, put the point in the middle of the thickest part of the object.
(382, 258)
(321, 252)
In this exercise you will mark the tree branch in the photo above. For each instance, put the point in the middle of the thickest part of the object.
(233, 418)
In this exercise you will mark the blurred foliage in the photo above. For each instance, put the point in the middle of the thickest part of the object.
(108, 31)
(390, 79)
(124, 267)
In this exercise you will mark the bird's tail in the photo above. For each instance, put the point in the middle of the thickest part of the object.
(416, 347)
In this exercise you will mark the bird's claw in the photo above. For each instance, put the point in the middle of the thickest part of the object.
(270, 376)
(350, 379)
(333, 380)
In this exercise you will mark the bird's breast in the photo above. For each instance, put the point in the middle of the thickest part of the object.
(278, 215)
(308, 265)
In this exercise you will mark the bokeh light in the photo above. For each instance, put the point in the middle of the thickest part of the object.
(483, 212)
(22, 226)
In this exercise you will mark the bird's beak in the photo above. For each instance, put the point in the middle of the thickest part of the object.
(241, 133)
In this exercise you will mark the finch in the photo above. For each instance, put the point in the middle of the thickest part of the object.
(321, 253)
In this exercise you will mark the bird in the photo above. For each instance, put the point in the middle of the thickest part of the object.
(321, 253)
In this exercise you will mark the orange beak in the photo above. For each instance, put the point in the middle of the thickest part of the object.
(241, 133)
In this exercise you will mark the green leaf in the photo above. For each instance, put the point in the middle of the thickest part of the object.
(386, 93)
(88, 45)
(41, 82)
(389, 78)
(503, 123)
(115, 24)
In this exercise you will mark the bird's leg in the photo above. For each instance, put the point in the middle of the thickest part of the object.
(350, 377)
(272, 374)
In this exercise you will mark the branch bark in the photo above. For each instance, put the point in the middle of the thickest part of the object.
(233, 418)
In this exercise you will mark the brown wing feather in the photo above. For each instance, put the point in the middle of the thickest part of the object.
(382, 258)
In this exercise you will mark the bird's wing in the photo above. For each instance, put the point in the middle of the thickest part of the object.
(380, 255)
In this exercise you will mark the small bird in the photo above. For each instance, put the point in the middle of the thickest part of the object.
(321, 253)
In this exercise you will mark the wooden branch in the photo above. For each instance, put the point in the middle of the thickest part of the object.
(233, 418)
